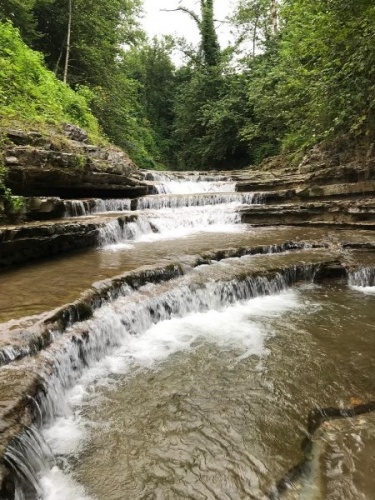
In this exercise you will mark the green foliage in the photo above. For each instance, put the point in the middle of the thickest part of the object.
(15, 203)
(312, 80)
(20, 12)
(211, 109)
(98, 31)
(150, 65)
(29, 92)
(209, 42)
(316, 81)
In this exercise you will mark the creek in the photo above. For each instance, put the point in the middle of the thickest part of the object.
(197, 386)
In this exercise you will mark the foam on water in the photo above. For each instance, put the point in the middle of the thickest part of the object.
(171, 223)
(59, 486)
(368, 290)
(173, 184)
(197, 200)
(186, 187)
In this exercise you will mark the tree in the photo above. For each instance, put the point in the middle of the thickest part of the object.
(68, 35)
(314, 81)
(255, 21)
(209, 45)
(151, 65)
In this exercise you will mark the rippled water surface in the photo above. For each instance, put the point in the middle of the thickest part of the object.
(214, 405)
(46, 285)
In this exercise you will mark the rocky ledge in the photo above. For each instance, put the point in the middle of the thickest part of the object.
(32, 357)
(66, 165)
(27, 242)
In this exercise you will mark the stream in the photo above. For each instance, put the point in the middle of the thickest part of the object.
(199, 386)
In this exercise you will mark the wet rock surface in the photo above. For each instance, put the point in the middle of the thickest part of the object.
(338, 461)
(316, 194)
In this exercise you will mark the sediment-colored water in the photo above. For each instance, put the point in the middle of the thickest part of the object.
(198, 386)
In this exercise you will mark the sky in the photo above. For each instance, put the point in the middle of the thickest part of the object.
(156, 22)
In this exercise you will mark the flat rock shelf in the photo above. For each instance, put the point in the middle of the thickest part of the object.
(188, 335)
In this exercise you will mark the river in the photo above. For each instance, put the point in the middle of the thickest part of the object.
(199, 386)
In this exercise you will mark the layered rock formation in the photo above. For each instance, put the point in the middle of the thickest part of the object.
(67, 166)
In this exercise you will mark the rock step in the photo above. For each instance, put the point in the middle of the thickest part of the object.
(27, 242)
(23, 380)
(45, 208)
(342, 213)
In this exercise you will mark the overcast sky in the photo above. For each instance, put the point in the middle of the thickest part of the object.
(177, 23)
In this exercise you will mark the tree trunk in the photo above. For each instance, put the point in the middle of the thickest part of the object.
(275, 17)
(255, 33)
(68, 43)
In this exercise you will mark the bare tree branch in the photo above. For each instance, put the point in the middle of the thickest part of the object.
(191, 13)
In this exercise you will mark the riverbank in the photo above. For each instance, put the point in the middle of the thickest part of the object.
(112, 269)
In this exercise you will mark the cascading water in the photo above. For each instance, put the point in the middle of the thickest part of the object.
(84, 355)
(363, 280)
(76, 208)
(111, 205)
(82, 208)
(194, 200)
(174, 389)
(174, 184)
(197, 209)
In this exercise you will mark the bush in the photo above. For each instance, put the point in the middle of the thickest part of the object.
(31, 93)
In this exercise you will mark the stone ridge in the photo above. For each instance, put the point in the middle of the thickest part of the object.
(22, 380)
(65, 165)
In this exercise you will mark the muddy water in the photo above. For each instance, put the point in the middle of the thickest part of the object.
(46, 285)
(179, 391)
(214, 405)
(43, 286)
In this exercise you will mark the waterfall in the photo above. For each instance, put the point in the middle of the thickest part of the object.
(170, 223)
(196, 200)
(117, 231)
(184, 187)
(111, 205)
(75, 356)
(28, 456)
(362, 279)
(76, 208)
(81, 208)
(193, 183)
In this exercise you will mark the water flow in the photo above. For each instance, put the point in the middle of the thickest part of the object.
(171, 223)
(169, 183)
(196, 200)
(83, 356)
(29, 456)
(111, 205)
(214, 405)
(363, 280)
(81, 208)
(76, 208)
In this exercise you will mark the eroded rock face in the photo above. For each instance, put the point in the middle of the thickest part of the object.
(24, 243)
(69, 167)
(338, 462)
(335, 213)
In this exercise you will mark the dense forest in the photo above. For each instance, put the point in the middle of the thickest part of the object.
(298, 73)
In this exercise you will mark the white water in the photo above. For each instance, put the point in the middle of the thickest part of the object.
(240, 328)
(196, 200)
(111, 205)
(171, 223)
(169, 183)
(84, 208)
(363, 280)
(186, 187)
